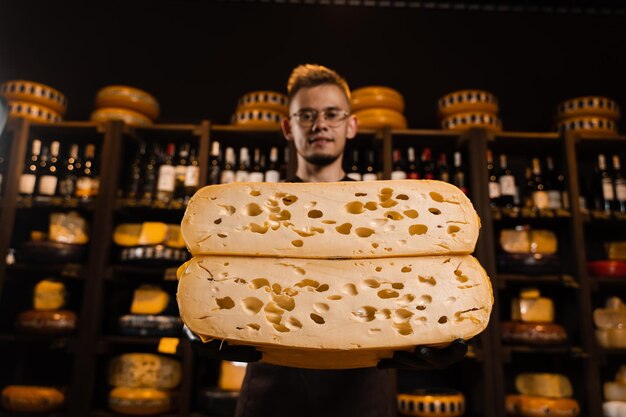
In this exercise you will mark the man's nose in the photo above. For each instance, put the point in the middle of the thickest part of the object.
(319, 123)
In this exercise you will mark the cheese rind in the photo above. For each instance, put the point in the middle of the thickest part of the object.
(144, 370)
(544, 384)
(372, 219)
(31, 399)
(49, 295)
(231, 375)
(149, 299)
(432, 403)
(346, 313)
(139, 401)
(532, 406)
(614, 391)
(532, 310)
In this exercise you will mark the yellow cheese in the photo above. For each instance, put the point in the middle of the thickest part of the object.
(533, 406)
(174, 237)
(611, 338)
(231, 375)
(532, 310)
(354, 219)
(546, 385)
(616, 251)
(33, 92)
(589, 106)
(543, 242)
(127, 234)
(68, 228)
(469, 120)
(139, 401)
(149, 299)
(148, 233)
(33, 111)
(31, 399)
(369, 97)
(614, 409)
(264, 100)
(130, 117)
(529, 293)
(128, 98)
(614, 391)
(153, 233)
(431, 403)
(467, 101)
(144, 370)
(620, 376)
(597, 125)
(258, 117)
(49, 295)
(515, 240)
(379, 117)
(613, 316)
(334, 313)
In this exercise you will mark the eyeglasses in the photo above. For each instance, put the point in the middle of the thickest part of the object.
(332, 116)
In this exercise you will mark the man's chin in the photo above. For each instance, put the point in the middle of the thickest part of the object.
(321, 160)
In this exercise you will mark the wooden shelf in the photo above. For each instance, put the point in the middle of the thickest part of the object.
(104, 413)
(4, 413)
(573, 352)
(564, 280)
(139, 273)
(56, 203)
(69, 270)
(529, 135)
(527, 214)
(40, 342)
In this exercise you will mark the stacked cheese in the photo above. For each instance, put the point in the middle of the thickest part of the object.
(542, 394)
(142, 383)
(47, 317)
(261, 109)
(32, 399)
(34, 101)
(376, 107)
(533, 321)
(588, 114)
(150, 242)
(434, 402)
(333, 275)
(615, 395)
(611, 324)
(147, 317)
(466, 109)
(129, 104)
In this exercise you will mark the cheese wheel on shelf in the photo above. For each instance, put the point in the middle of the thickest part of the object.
(589, 106)
(128, 116)
(53, 323)
(463, 101)
(620, 376)
(32, 399)
(614, 391)
(432, 403)
(376, 96)
(140, 401)
(591, 124)
(378, 117)
(533, 333)
(150, 325)
(613, 316)
(149, 299)
(544, 384)
(614, 409)
(231, 375)
(270, 100)
(532, 310)
(33, 92)
(128, 98)
(322, 313)
(144, 370)
(148, 233)
(33, 111)
(49, 295)
(533, 406)
(611, 338)
(254, 118)
(616, 251)
(337, 220)
(469, 120)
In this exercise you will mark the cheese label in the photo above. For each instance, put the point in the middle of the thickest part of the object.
(168, 345)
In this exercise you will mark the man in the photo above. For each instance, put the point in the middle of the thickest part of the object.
(319, 124)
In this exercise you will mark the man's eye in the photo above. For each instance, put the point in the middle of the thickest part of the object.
(306, 116)
(332, 114)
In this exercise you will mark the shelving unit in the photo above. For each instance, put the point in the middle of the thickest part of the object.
(485, 377)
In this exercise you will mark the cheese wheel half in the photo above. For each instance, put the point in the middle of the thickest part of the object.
(33, 111)
(544, 384)
(378, 118)
(130, 117)
(270, 100)
(531, 406)
(128, 98)
(253, 118)
(50, 322)
(592, 124)
(467, 101)
(322, 313)
(469, 120)
(331, 220)
(377, 96)
(432, 403)
(589, 106)
(32, 399)
(33, 92)
(144, 370)
(139, 401)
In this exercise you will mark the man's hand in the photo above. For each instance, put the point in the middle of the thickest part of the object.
(220, 349)
(425, 358)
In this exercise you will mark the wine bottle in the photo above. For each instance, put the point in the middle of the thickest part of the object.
(192, 175)
(48, 178)
(70, 169)
(507, 183)
(29, 175)
(133, 187)
(243, 169)
(166, 182)
(398, 172)
(428, 165)
(552, 185)
(494, 184)
(150, 175)
(370, 169)
(353, 170)
(539, 194)
(180, 172)
(603, 185)
(272, 174)
(620, 185)
(443, 171)
(84, 187)
(228, 170)
(215, 163)
(256, 171)
(459, 174)
(412, 172)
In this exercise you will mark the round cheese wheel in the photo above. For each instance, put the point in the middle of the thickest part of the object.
(231, 375)
(57, 322)
(466, 121)
(32, 399)
(600, 125)
(611, 338)
(464, 101)
(368, 97)
(258, 118)
(153, 255)
(142, 325)
(620, 376)
(264, 100)
(533, 333)
(614, 409)
(531, 406)
(434, 402)
(614, 391)
(33, 111)
(116, 113)
(47, 252)
(139, 401)
(589, 106)
(32, 92)
(217, 402)
(378, 117)
(128, 98)
(144, 370)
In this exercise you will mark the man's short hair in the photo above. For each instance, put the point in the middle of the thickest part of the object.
(311, 75)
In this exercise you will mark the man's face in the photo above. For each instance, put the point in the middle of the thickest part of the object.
(320, 143)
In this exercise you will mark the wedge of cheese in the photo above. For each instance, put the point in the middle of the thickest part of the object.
(49, 295)
(144, 370)
(371, 219)
(327, 313)
(543, 384)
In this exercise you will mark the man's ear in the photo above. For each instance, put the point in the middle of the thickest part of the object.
(353, 127)
(286, 126)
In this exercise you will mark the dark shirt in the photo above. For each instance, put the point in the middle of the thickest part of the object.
(279, 391)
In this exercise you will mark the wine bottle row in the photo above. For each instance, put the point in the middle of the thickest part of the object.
(52, 171)
(607, 190)
(230, 165)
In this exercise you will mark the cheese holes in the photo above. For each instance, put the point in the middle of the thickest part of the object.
(393, 215)
(405, 300)
(411, 214)
(364, 231)
(315, 214)
(259, 283)
(293, 323)
(371, 283)
(364, 314)
(375, 245)
(253, 326)
(388, 203)
(403, 329)
(450, 300)
(289, 200)
(452, 230)
(317, 318)
(322, 288)
(255, 193)
(385, 194)
(360, 194)
(344, 229)
(285, 302)
(334, 297)
(442, 320)
(436, 197)
(280, 328)
(379, 268)
(308, 283)
(418, 229)
(227, 210)
(217, 221)
(354, 207)
(384, 294)
(435, 211)
(349, 289)
(252, 305)
(281, 216)
(460, 277)
(371, 206)
(403, 197)
(257, 228)
(252, 209)
(397, 286)
(406, 269)
(222, 235)
(320, 308)
(225, 303)
(402, 315)
(329, 222)
(297, 243)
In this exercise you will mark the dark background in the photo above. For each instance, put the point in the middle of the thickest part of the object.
(198, 57)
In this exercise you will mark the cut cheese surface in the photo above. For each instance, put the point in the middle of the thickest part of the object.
(541, 384)
(334, 220)
(344, 313)
(144, 370)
